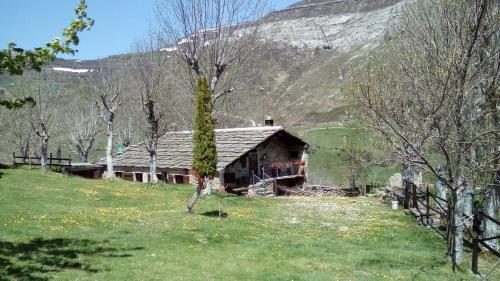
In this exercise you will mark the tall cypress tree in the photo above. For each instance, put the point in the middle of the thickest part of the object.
(205, 152)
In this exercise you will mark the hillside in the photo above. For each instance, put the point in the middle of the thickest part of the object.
(305, 52)
(68, 228)
(327, 158)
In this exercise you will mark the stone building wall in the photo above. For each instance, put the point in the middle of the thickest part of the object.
(277, 151)
(267, 154)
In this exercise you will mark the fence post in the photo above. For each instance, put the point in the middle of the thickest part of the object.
(475, 237)
(414, 195)
(14, 158)
(50, 159)
(428, 205)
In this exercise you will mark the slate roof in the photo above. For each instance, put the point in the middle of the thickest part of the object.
(175, 149)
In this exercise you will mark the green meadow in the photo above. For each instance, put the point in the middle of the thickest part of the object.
(327, 164)
(55, 227)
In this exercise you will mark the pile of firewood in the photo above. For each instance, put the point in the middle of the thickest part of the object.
(386, 195)
(314, 190)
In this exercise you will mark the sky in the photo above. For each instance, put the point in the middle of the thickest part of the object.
(118, 24)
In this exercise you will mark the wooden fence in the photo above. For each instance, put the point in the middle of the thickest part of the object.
(37, 161)
(427, 206)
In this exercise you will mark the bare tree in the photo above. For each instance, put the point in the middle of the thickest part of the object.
(126, 128)
(214, 38)
(42, 116)
(83, 126)
(354, 158)
(425, 91)
(108, 88)
(148, 71)
(19, 132)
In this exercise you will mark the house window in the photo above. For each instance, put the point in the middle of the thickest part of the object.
(138, 177)
(179, 179)
(128, 176)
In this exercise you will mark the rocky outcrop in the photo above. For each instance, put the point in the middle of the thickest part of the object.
(338, 25)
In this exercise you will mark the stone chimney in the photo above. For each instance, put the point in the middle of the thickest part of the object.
(268, 122)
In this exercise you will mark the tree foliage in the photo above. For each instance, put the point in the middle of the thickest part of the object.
(205, 154)
(14, 60)
(16, 103)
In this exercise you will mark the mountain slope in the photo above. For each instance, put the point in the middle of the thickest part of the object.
(306, 49)
(314, 42)
(337, 24)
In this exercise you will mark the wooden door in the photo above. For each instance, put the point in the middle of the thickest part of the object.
(253, 163)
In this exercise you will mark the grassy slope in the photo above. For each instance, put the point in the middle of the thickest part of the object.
(326, 164)
(68, 228)
(6, 82)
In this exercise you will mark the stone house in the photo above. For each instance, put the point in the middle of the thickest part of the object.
(245, 157)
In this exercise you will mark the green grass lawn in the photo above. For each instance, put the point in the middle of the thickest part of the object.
(68, 228)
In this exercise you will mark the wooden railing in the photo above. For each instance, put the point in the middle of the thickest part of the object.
(423, 202)
(290, 168)
(269, 180)
(37, 161)
(479, 217)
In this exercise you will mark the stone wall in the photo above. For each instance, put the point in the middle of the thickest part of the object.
(276, 151)
(240, 170)
(267, 153)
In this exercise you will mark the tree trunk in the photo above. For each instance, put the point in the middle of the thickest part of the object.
(43, 157)
(195, 196)
(458, 245)
(456, 225)
(441, 193)
(412, 173)
(153, 163)
(468, 204)
(208, 187)
(83, 156)
(24, 149)
(491, 206)
(109, 156)
(451, 229)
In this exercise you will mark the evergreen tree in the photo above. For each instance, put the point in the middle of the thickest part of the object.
(205, 152)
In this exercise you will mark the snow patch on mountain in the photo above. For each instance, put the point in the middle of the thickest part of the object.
(73, 70)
